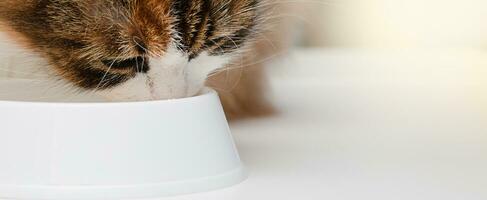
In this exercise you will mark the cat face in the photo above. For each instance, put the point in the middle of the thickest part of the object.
(134, 49)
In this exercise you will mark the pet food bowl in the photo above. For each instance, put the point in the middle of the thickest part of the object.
(56, 150)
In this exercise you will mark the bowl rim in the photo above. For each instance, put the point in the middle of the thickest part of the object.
(206, 92)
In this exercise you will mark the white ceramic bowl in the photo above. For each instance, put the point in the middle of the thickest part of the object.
(113, 150)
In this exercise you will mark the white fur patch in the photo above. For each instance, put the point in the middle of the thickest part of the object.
(199, 68)
(170, 76)
(18, 62)
(134, 89)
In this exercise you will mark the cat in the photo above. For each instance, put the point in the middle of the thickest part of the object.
(137, 50)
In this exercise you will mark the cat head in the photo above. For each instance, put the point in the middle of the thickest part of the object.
(135, 49)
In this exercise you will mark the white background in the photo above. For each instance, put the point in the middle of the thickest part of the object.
(381, 125)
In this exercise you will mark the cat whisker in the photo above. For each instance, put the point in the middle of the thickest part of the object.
(143, 63)
(233, 41)
(262, 36)
(216, 44)
(274, 3)
(137, 64)
(138, 44)
(251, 64)
(104, 75)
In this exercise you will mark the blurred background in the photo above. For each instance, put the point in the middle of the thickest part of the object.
(387, 23)
(421, 45)
(378, 99)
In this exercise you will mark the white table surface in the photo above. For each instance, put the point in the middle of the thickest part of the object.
(378, 125)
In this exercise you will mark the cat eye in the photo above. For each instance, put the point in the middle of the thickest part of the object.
(138, 63)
